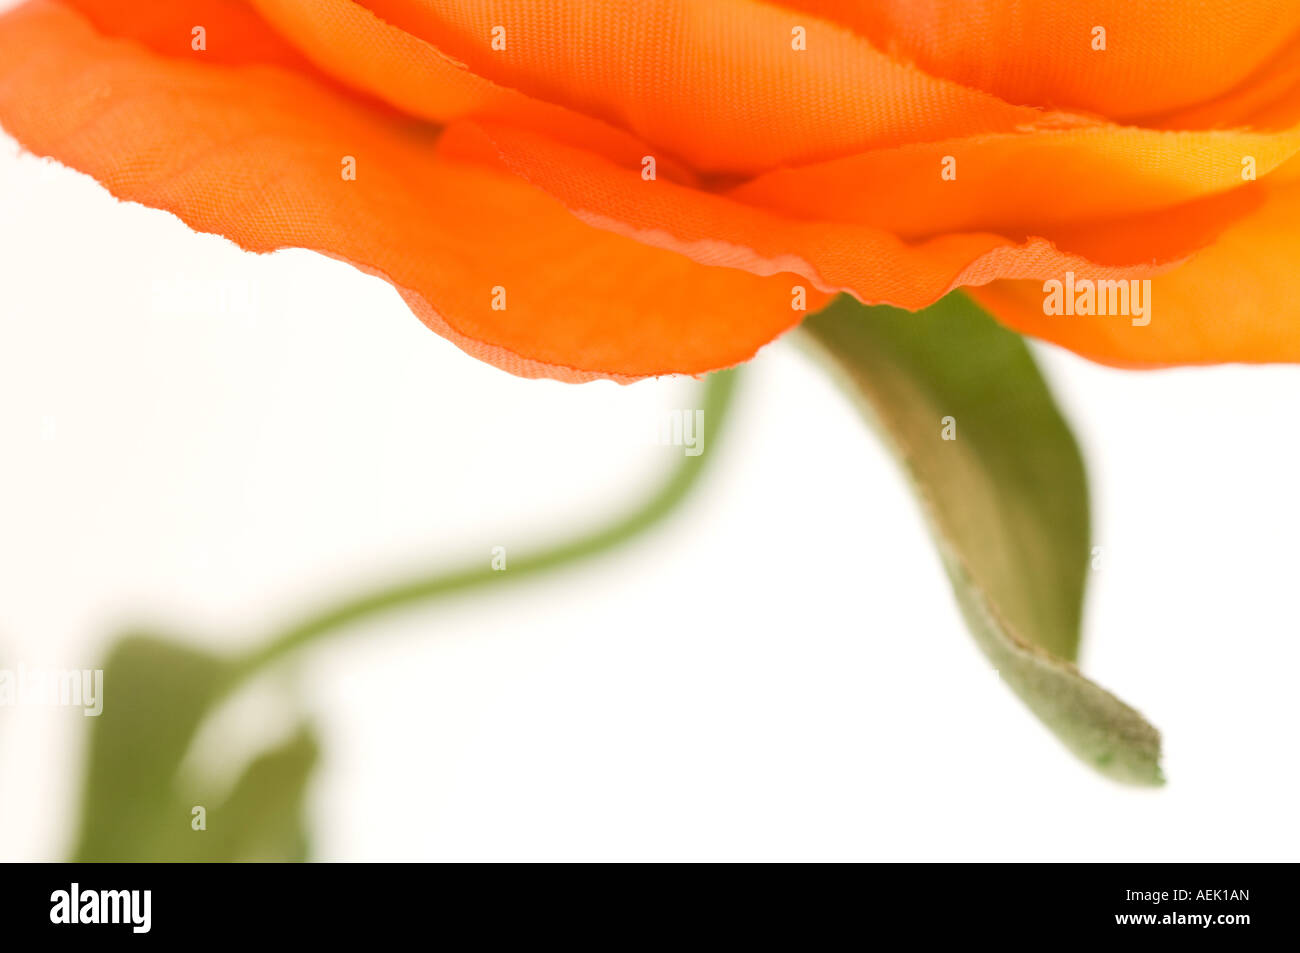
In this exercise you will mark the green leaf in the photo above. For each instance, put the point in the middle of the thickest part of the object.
(262, 820)
(135, 806)
(1007, 500)
(158, 694)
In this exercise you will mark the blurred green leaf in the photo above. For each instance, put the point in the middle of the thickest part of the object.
(261, 820)
(156, 694)
(1007, 500)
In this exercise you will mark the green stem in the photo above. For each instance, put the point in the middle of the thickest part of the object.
(718, 392)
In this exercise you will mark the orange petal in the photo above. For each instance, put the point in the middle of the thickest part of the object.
(358, 48)
(1157, 56)
(718, 84)
(1270, 99)
(234, 33)
(1235, 301)
(1021, 183)
(254, 153)
(872, 264)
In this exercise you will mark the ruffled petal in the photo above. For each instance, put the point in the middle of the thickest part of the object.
(355, 46)
(255, 153)
(870, 263)
(1158, 56)
(1235, 301)
(1034, 182)
(233, 33)
(718, 84)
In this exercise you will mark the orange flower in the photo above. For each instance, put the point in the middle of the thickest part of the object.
(592, 188)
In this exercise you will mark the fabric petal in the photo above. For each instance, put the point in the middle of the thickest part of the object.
(234, 34)
(1022, 183)
(1158, 56)
(356, 47)
(1234, 301)
(872, 264)
(718, 84)
(254, 153)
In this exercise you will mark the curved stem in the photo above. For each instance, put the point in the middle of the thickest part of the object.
(718, 392)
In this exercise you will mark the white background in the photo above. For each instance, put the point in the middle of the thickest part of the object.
(215, 442)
